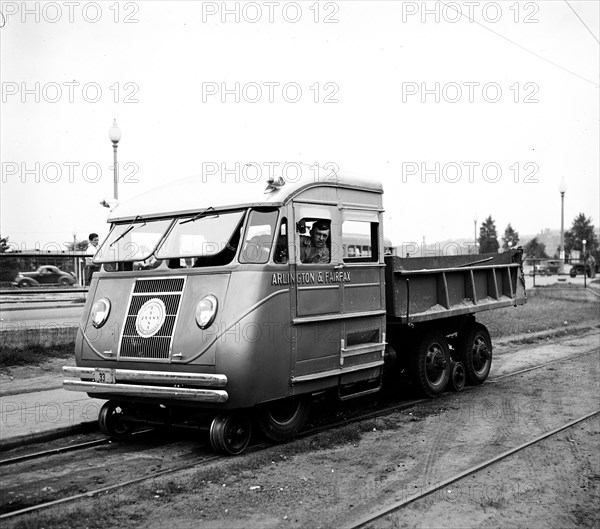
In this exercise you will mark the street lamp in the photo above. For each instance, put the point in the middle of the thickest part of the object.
(562, 188)
(74, 233)
(584, 265)
(114, 133)
(474, 234)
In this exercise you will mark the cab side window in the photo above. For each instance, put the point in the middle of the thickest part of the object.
(281, 247)
(360, 241)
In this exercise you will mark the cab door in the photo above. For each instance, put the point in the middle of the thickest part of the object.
(316, 299)
(363, 296)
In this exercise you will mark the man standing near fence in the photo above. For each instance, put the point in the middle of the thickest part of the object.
(90, 267)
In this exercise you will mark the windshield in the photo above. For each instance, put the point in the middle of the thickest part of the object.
(204, 236)
(133, 241)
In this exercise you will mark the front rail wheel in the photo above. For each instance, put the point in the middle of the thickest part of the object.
(230, 433)
(111, 422)
(475, 352)
(431, 364)
(281, 420)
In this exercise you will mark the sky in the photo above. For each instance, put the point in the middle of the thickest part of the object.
(462, 109)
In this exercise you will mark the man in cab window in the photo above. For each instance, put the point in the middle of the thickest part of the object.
(315, 249)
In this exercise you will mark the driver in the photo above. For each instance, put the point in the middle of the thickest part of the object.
(315, 249)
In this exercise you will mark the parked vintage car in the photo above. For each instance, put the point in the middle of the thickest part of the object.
(553, 266)
(44, 275)
(541, 268)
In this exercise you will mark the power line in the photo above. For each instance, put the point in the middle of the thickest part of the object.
(520, 46)
(586, 27)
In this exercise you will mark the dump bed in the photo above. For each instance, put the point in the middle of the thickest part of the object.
(428, 288)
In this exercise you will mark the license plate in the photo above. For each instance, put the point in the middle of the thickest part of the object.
(105, 376)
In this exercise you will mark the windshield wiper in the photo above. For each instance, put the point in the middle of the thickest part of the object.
(129, 228)
(199, 216)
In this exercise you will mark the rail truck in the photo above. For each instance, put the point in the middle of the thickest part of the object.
(205, 313)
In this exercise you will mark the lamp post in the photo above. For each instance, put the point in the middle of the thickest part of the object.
(114, 133)
(562, 188)
(74, 233)
(474, 234)
(584, 265)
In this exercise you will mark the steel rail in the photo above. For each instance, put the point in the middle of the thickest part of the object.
(307, 433)
(476, 468)
(62, 449)
(52, 451)
(108, 488)
(526, 369)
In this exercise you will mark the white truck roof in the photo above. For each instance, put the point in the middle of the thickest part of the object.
(195, 193)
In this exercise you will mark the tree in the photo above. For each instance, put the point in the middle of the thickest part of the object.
(581, 229)
(535, 249)
(488, 238)
(80, 246)
(4, 246)
(9, 266)
(510, 236)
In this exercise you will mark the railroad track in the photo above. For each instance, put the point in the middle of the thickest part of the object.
(390, 508)
(210, 458)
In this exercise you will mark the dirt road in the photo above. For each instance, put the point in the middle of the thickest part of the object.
(336, 477)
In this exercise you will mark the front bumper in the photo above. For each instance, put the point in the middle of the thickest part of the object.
(168, 385)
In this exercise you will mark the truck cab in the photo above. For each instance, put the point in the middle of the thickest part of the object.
(206, 300)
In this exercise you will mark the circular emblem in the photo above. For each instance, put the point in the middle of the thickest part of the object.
(150, 317)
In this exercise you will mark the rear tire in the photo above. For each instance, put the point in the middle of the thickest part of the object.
(430, 364)
(475, 352)
(281, 420)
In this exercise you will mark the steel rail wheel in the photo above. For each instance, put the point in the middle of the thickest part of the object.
(475, 352)
(230, 433)
(111, 423)
(281, 420)
(430, 364)
(458, 376)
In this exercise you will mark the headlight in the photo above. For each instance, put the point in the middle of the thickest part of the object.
(206, 310)
(100, 312)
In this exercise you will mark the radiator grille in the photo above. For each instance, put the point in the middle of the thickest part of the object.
(172, 284)
(157, 347)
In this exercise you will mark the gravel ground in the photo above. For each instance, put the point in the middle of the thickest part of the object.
(337, 477)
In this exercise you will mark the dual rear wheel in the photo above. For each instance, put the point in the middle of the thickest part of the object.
(433, 368)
